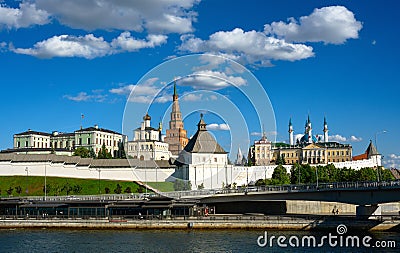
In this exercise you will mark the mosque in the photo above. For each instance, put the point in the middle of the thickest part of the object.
(309, 148)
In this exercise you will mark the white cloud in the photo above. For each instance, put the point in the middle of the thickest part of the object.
(392, 162)
(355, 139)
(215, 126)
(125, 42)
(331, 25)
(337, 138)
(145, 92)
(85, 97)
(25, 16)
(256, 134)
(211, 80)
(246, 47)
(192, 97)
(172, 16)
(89, 46)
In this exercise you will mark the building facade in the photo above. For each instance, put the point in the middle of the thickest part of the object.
(148, 142)
(176, 135)
(91, 138)
(308, 149)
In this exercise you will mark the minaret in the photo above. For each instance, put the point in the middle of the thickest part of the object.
(309, 130)
(325, 131)
(176, 134)
(291, 139)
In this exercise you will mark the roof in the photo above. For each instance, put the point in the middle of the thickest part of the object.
(30, 132)
(371, 150)
(203, 142)
(92, 129)
(360, 157)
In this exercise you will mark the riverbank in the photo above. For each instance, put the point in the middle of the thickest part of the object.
(225, 222)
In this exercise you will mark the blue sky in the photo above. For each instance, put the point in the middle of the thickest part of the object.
(339, 59)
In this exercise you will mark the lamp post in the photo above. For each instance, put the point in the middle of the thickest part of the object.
(376, 146)
(99, 180)
(45, 181)
(27, 175)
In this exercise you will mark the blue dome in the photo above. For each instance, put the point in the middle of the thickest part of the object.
(306, 137)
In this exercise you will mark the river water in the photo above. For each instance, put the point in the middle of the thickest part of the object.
(51, 240)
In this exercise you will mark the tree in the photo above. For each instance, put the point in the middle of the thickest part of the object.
(82, 152)
(128, 190)
(77, 189)
(107, 190)
(67, 188)
(92, 154)
(366, 174)
(18, 190)
(103, 153)
(280, 160)
(180, 185)
(200, 186)
(280, 176)
(118, 190)
(386, 175)
(121, 151)
(9, 191)
(47, 188)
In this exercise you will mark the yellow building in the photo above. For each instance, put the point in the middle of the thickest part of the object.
(308, 149)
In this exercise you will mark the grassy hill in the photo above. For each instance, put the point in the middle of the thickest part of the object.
(34, 186)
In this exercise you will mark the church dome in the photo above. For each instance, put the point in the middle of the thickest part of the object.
(147, 117)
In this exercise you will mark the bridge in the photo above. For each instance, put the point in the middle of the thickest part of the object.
(358, 193)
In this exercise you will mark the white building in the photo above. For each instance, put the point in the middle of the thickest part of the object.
(148, 143)
(203, 160)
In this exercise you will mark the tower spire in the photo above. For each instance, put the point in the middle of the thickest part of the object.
(325, 130)
(291, 139)
(175, 95)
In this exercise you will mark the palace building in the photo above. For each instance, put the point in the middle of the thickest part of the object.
(311, 149)
(148, 142)
(176, 135)
(92, 138)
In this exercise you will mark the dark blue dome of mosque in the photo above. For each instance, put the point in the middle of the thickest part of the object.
(306, 137)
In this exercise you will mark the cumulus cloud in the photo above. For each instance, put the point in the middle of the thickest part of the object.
(249, 47)
(125, 42)
(172, 16)
(25, 16)
(331, 25)
(146, 92)
(89, 46)
(218, 127)
(355, 139)
(337, 138)
(211, 80)
(392, 162)
(279, 40)
(96, 96)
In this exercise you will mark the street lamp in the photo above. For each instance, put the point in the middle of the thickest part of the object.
(45, 180)
(27, 175)
(376, 146)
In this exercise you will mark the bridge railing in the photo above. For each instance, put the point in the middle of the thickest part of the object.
(285, 188)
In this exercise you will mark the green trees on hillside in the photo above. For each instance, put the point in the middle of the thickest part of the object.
(306, 174)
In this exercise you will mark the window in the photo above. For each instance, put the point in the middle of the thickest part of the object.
(215, 159)
(80, 141)
(88, 141)
(26, 144)
(18, 144)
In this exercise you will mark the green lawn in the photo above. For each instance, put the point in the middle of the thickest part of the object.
(34, 186)
(162, 186)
